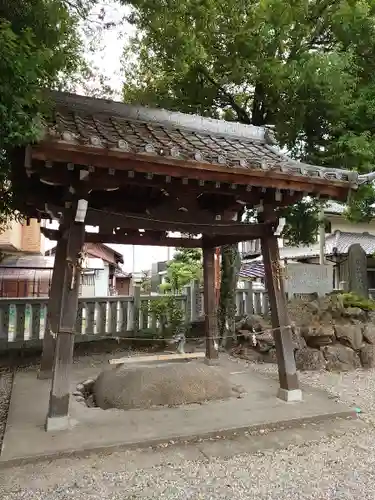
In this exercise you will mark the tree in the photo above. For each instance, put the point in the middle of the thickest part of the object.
(41, 48)
(304, 66)
(185, 267)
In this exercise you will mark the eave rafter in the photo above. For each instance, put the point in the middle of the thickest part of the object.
(121, 161)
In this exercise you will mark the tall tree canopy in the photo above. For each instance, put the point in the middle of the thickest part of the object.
(40, 48)
(304, 66)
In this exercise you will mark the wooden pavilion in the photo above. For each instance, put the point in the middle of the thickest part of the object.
(140, 173)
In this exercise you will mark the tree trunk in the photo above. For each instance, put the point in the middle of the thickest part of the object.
(230, 267)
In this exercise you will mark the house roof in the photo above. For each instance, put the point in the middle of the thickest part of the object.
(99, 251)
(104, 252)
(154, 133)
(334, 208)
(337, 243)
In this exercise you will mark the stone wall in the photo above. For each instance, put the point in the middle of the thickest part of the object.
(327, 335)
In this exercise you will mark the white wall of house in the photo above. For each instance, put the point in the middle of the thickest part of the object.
(339, 223)
(102, 281)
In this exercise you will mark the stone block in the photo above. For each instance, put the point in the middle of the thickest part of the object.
(341, 358)
(350, 335)
(369, 333)
(367, 356)
(309, 359)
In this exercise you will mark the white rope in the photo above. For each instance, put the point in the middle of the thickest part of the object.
(203, 337)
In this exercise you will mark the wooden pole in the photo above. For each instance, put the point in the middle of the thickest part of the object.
(210, 306)
(54, 307)
(289, 387)
(58, 411)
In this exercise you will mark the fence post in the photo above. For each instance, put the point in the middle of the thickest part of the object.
(136, 307)
(195, 300)
(239, 301)
(249, 305)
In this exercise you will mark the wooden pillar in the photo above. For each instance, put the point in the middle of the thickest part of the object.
(210, 306)
(53, 310)
(289, 387)
(58, 410)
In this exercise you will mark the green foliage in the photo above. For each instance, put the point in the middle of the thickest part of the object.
(168, 313)
(305, 67)
(39, 46)
(185, 267)
(145, 283)
(303, 222)
(353, 300)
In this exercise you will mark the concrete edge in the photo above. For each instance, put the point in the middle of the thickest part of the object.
(178, 440)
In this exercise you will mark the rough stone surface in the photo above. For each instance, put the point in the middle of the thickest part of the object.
(357, 270)
(270, 356)
(298, 341)
(310, 359)
(318, 336)
(355, 313)
(140, 386)
(367, 356)
(253, 322)
(265, 341)
(341, 358)
(350, 335)
(248, 353)
(369, 333)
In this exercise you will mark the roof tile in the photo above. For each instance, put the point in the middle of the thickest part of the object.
(104, 123)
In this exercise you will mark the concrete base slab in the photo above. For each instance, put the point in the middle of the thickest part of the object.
(107, 430)
(43, 375)
(54, 424)
(290, 396)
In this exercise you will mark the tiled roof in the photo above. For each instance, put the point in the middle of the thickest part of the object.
(334, 208)
(252, 270)
(337, 243)
(150, 132)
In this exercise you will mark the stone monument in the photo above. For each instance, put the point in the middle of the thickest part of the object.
(357, 271)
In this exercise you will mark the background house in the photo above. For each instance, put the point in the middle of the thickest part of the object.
(21, 238)
(108, 279)
(26, 272)
(340, 235)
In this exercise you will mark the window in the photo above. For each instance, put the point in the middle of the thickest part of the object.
(328, 226)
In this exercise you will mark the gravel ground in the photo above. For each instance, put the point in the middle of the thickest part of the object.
(6, 379)
(334, 468)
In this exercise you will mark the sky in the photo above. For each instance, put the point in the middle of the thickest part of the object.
(109, 62)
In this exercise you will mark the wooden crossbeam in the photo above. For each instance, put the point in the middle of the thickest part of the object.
(156, 357)
(183, 224)
(146, 239)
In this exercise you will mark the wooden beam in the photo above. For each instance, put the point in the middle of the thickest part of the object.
(156, 357)
(100, 180)
(182, 224)
(210, 308)
(58, 410)
(54, 306)
(146, 239)
(289, 387)
(113, 220)
(100, 158)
